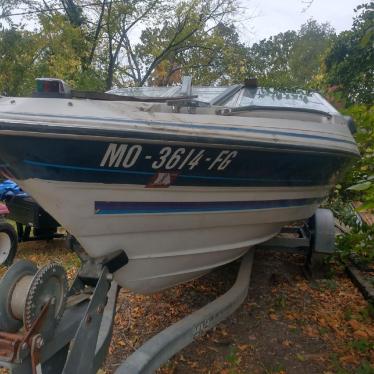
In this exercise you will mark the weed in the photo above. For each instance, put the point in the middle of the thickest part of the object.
(365, 368)
(336, 364)
(280, 302)
(362, 345)
(323, 330)
(233, 360)
(330, 284)
(293, 329)
(367, 313)
(300, 357)
(278, 368)
(348, 314)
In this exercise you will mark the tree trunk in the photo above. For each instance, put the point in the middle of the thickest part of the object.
(109, 78)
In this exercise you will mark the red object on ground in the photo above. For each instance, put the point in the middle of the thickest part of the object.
(3, 209)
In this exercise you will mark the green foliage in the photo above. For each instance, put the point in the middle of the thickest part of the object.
(348, 64)
(365, 368)
(362, 345)
(339, 203)
(193, 39)
(233, 360)
(308, 50)
(269, 58)
(18, 52)
(61, 48)
(291, 59)
(361, 177)
(221, 60)
(214, 56)
(359, 243)
(91, 45)
(357, 186)
(56, 50)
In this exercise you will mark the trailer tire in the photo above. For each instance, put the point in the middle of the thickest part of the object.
(8, 243)
(322, 226)
(322, 242)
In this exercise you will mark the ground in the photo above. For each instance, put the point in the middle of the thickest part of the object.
(287, 324)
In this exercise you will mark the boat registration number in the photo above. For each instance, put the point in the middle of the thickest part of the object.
(168, 158)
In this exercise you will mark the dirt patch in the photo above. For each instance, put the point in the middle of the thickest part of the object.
(286, 325)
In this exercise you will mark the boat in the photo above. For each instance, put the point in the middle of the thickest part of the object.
(182, 179)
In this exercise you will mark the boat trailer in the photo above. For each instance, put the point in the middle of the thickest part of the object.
(47, 328)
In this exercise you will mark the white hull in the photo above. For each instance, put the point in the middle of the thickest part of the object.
(165, 249)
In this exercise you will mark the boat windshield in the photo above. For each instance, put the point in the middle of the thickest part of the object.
(269, 97)
(237, 96)
(206, 94)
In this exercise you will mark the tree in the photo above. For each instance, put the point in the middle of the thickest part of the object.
(308, 51)
(348, 70)
(6, 9)
(92, 44)
(269, 59)
(348, 64)
(99, 36)
(18, 52)
(120, 18)
(61, 48)
(190, 29)
(57, 49)
(291, 59)
(213, 57)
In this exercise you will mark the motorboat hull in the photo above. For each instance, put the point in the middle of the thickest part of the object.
(178, 204)
(167, 247)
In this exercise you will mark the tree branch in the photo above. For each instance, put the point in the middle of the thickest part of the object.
(97, 33)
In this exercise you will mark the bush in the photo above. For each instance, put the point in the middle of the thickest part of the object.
(358, 185)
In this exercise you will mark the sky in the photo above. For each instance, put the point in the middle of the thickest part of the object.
(271, 17)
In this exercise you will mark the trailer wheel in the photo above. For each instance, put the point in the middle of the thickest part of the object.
(322, 227)
(322, 240)
(8, 243)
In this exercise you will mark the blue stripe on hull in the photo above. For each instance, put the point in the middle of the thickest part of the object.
(124, 207)
(142, 173)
